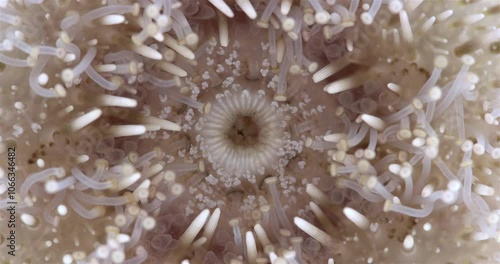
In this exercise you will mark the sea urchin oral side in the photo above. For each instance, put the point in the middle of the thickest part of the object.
(250, 131)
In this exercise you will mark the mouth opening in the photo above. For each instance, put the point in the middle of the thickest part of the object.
(241, 134)
(245, 132)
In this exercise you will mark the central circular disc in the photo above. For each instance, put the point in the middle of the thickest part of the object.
(241, 133)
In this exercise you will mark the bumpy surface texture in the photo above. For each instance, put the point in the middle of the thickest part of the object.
(250, 131)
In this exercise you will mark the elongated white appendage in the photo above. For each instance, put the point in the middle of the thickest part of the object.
(211, 225)
(358, 219)
(126, 130)
(247, 7)
(223, 7)
(223, 30)
(313, 231)
(188, 236)
(85, 119)
(251, 247)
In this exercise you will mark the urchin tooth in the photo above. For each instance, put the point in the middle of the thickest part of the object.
(285, 7)
(163, 123)
(199, 242)
(247, 7)
(329, 70)
(345, 84)
(313, 231)
(211, 225)
(147, 52)
(261, 234)
(358, 219)
(152, 127)
(394, 87)
(126, 130)
(182, 50)
(223, 30)
(172, 68)
(194, 228)
(251, 247)
(85, 119)
(374, 122)
(111, 100)
(223, 7)
(317, 194)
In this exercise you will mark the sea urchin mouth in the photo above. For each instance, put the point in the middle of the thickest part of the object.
(241, 133)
